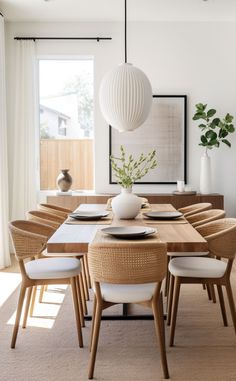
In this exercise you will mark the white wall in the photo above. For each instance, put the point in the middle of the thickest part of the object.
(197, 59)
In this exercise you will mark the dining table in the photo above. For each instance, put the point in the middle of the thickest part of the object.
(74, 236)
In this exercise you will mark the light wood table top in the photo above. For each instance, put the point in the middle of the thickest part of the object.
(179, 236)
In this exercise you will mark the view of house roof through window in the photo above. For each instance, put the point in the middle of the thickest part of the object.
(66, 94)
(66, 121)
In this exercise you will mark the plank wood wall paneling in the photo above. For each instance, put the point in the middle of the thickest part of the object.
(75, 155)
(74, 201)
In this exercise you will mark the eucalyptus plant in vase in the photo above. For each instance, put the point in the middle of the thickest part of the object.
(127, 171)
(214, 131)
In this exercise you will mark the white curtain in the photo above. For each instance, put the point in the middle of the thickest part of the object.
(4, 215)
(24, 182)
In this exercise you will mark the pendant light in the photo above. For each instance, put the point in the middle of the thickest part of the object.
(125, 94)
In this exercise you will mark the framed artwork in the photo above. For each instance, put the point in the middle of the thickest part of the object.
(164, 131)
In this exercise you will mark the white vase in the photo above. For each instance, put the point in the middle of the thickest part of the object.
(126, 205)
(205, 174)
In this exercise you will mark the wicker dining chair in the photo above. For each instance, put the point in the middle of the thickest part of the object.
(40, 218)
(47, 219)
(44, 218)
(63, 213)
(55, 221)
(54, 209)
(195, 220)
(195, 208)
(29, 240)
(127, 272)
(170, 278)
(221, 237)
(201, 218)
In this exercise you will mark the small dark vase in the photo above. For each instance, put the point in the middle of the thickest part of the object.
(64, 180)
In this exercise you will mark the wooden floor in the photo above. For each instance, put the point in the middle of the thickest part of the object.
(48, 349)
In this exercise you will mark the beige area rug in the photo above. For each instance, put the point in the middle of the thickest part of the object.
(47, 350)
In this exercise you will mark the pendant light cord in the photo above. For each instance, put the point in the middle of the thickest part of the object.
(125, 31)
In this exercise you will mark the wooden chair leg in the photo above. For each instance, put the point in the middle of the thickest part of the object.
(167, 281)
(222, 305)
(79, 298)
(174, 310)
(231, 303)
(42, 289)
(97, 322)
(28, 299)
(212, 291)
(93, 319)
(83, 296)
(33, 297)
(87, 271)
(76, 308)
(170, 299)
(208, 292)
(160, 333)
(84, 280)
(18, 315)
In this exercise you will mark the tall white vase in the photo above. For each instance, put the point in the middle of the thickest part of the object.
(126, 205)
(205, 174)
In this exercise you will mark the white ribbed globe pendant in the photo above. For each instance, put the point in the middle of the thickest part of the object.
(125, 97)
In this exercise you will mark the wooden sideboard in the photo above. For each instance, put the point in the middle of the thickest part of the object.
(178, 201)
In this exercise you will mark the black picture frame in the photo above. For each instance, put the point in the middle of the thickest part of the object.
(167, 110)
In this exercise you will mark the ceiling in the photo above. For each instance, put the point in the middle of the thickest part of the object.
(113, 10)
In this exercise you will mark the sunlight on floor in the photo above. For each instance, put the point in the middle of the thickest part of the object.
(8, 283)
(45, 313)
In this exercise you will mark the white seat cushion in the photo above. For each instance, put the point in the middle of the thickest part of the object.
(187, 253)
(197, 267)
(127, 293)
(53, 268)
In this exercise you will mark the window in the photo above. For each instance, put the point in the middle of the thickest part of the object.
(66, 121)
(61, 126)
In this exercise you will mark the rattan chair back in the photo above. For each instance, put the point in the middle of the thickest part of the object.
(54, 209)
(221, 237)
(29, 238)
(127, 264)
(201, 218)
(45, 218)
(195, 208)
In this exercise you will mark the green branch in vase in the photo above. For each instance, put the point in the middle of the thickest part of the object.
(131, 170)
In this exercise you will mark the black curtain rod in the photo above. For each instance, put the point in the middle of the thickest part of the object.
(63, 38)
